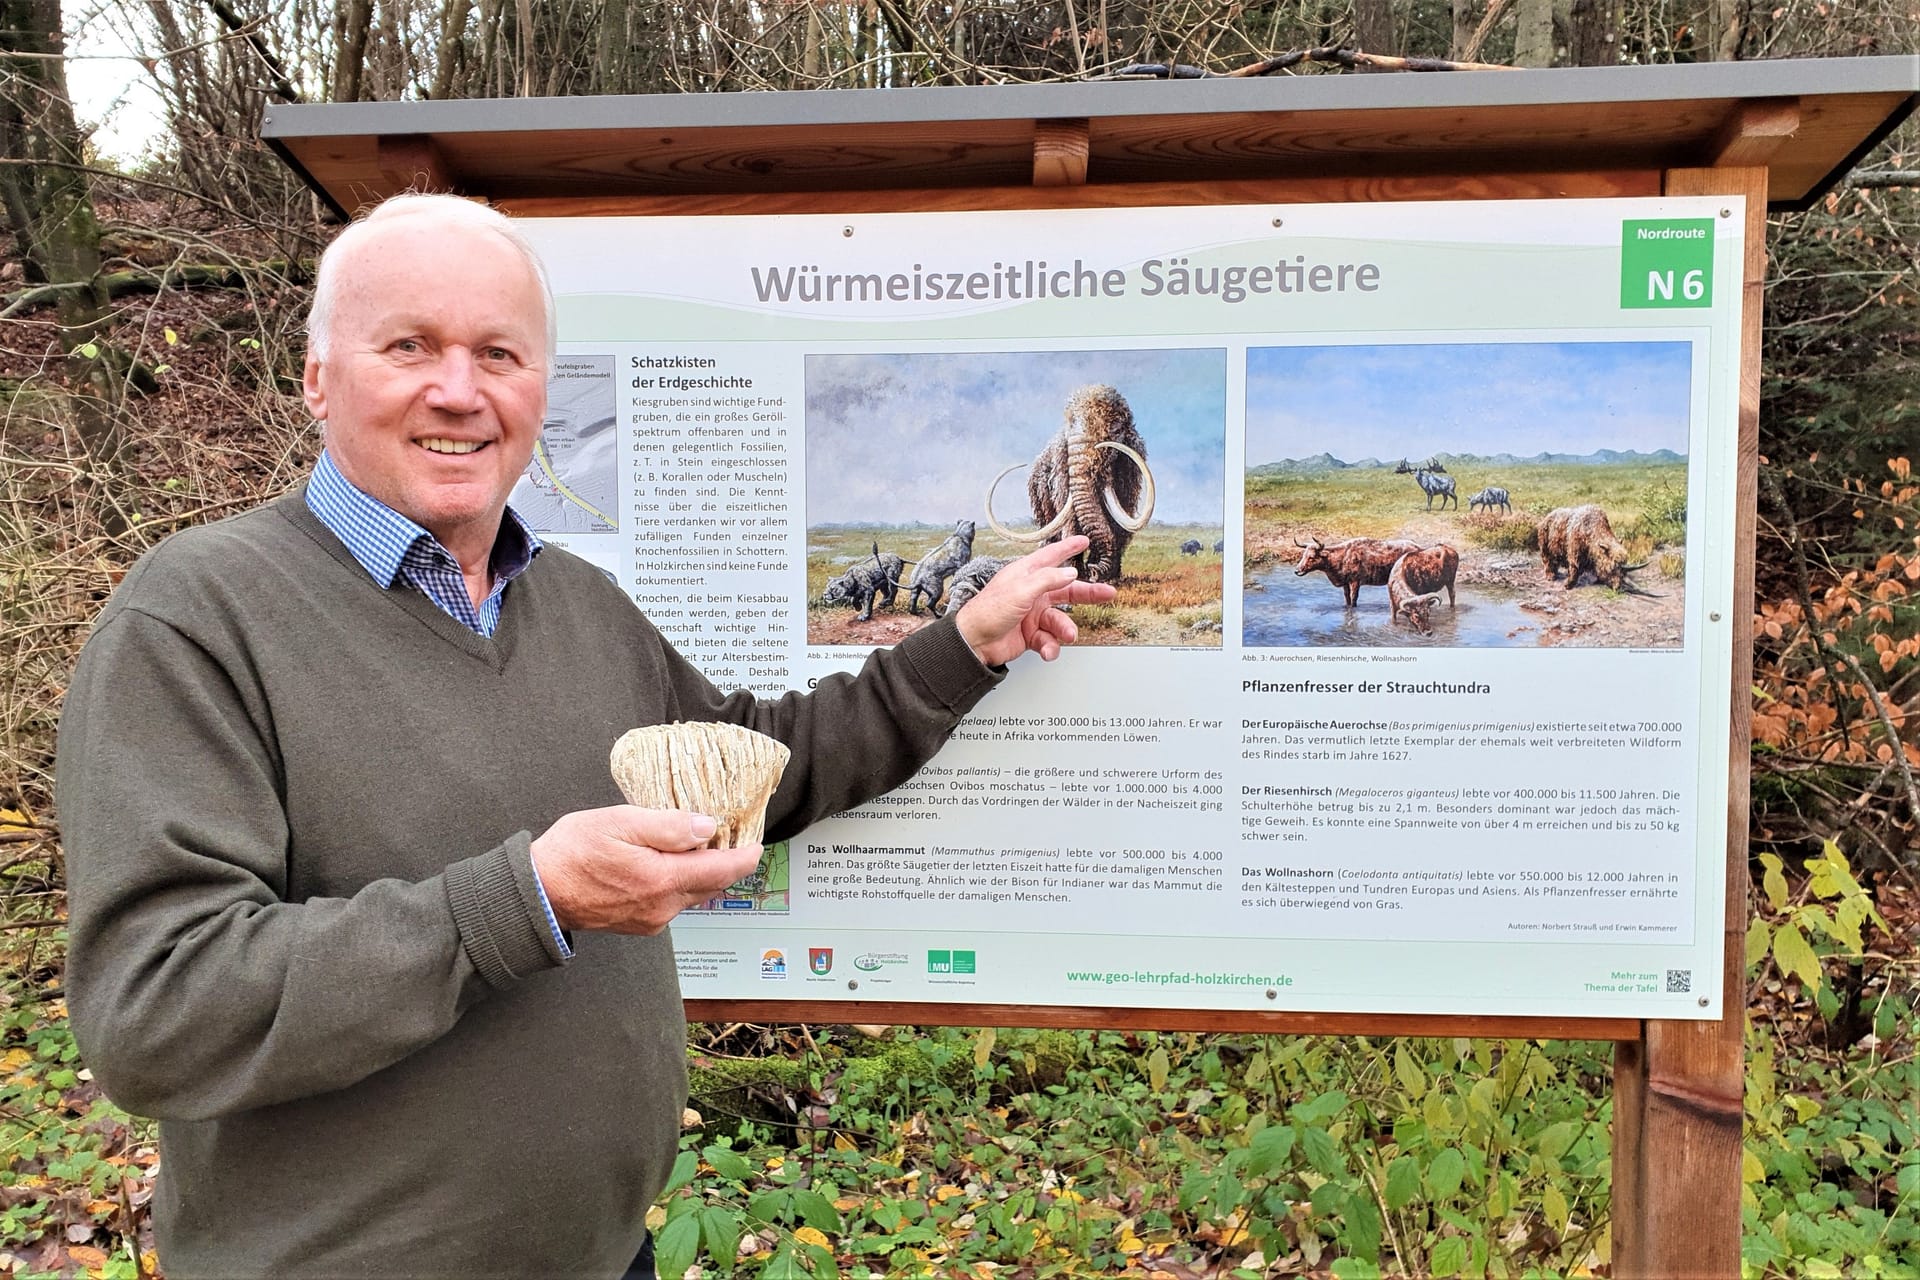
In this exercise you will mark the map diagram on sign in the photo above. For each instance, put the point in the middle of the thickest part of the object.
(569, 486)
(767, 889)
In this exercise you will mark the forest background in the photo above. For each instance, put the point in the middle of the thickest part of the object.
(150, 350)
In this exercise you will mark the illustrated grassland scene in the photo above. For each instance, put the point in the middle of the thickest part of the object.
(1467, 495)
(927, 472)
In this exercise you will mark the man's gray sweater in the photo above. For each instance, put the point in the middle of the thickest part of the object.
(305, 932)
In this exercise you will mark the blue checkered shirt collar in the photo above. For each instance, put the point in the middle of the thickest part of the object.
(393, 548)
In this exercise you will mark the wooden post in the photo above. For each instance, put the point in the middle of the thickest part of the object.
(412, 162)
(1060, 152)
(1677, 1094)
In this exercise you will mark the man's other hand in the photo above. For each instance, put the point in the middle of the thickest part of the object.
(1014, 613)
(625, 869)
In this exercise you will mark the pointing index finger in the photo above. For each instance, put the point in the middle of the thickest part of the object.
(1055, 554)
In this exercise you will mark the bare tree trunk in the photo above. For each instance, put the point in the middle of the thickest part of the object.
(49, 209)
(863, 44)
(1726, 29)
(605, 74)
(1533, 33)
(1466, 16)
(48, 206)
(523, 47)
(1373, 26)
(957, 46)
(453, 23)
(351, 42)
(1593, 35)
(811, 61)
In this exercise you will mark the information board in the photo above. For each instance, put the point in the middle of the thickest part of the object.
(1414, 698)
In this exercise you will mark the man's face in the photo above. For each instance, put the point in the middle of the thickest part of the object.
(435, 380)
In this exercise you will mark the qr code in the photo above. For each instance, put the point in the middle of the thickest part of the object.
(1679, 981)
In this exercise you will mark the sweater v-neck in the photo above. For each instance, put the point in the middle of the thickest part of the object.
(495, 651)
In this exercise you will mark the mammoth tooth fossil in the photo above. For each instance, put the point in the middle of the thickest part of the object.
(722, 770)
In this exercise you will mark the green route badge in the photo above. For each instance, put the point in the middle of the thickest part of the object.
(1666, 262)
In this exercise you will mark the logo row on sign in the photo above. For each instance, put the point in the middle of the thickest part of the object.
(773, 961)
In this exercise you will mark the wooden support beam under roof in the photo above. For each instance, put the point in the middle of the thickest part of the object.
(1806, 121)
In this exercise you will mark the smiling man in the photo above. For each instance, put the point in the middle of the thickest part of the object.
(355, 909)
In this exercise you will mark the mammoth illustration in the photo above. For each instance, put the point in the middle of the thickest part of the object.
(1080, 484)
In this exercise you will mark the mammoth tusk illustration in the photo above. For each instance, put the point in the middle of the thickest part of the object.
(1131, 523)
(1052, 527)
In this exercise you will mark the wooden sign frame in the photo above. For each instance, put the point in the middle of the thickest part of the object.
(1780, 130)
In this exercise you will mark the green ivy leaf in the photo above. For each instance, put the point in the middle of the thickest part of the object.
(1354, 1269)
(1320, 1108)
(676, 1245)
(1408, 1073)
(1449, 1255)
(1555, 1139)
(1403, 1182)
(819, 1262)
(770, 1207)
(721, 1231)
(783, 1265)
(1269, 1150)
(1773, 883)
(1844, 928)
(727, 1163)
(685, 1165)
(1793, 954)
(1554, 1205)
(1322, 1152)
(817, 1212)
(1444, 1172)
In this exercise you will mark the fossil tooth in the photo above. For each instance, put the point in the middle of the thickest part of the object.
(700, 766)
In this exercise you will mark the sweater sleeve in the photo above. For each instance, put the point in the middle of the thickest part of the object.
(854, 736)
(196, 988)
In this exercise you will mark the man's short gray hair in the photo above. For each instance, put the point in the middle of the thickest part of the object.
(453, 211)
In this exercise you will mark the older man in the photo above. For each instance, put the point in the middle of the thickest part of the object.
(387, 1028)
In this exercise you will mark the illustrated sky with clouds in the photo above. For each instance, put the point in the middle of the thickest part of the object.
(1415, 401)
(916, 438)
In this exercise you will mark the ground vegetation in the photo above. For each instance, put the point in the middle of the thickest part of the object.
(149, 359)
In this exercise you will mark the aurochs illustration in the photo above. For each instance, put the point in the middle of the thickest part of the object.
(1191, 547)
(1428, 569)
(1416, 580)
(1088, 480)
(1579, 540)
(1353, 564)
